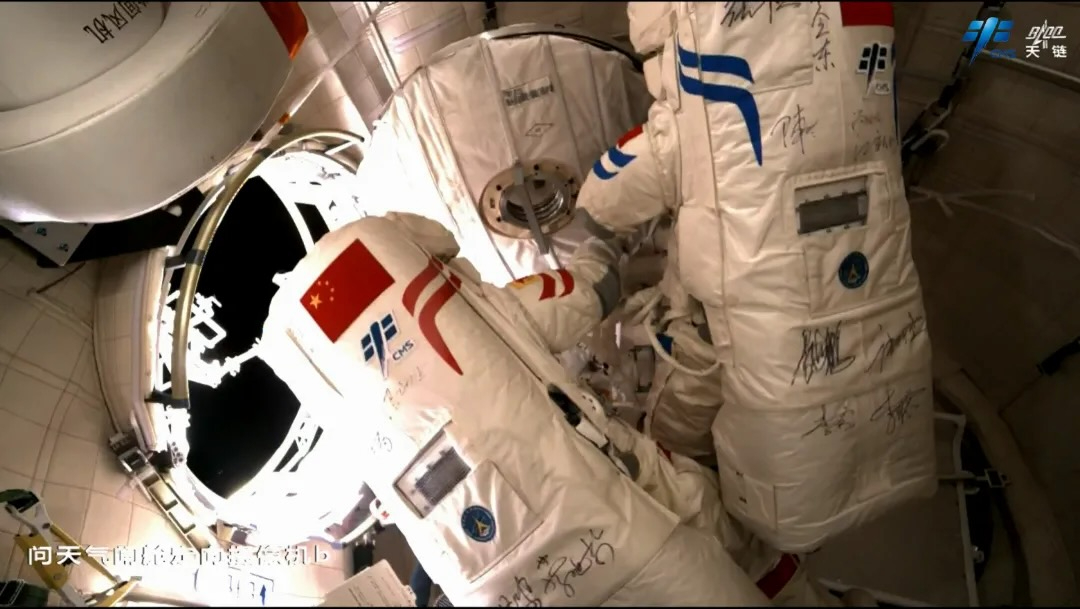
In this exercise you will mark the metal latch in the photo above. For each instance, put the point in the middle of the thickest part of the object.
(992, 478)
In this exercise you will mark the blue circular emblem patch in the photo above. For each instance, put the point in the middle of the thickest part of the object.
(478, 523)
(854, 270)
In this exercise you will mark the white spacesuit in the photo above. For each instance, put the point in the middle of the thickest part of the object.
(496, 466)
(774, 141)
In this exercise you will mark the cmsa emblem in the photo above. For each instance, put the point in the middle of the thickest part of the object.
(379, 344)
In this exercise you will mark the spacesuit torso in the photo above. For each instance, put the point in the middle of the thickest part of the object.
(493, 462)
(776, 142)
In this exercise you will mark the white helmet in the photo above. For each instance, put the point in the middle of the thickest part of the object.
(650, 25)
(650, 29)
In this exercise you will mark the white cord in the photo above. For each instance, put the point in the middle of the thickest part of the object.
(940, 134)
(18, 584)
(645, 317)
(934, 125)
(959, 199)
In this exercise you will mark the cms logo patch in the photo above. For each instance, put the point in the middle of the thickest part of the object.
(874, 64)
(378, 344)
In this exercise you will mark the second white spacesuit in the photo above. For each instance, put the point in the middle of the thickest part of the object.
(774, 142)
(495, 464)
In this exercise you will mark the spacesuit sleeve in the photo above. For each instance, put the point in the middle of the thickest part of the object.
(637, 179)
(566, 304)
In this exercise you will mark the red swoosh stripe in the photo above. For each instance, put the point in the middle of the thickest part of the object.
(417, 285)
(567, 281)
(548, 289)
(773, 582)
(629, 135)
(426, 320)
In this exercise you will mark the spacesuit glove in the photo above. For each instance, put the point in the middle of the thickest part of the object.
(641, 304)
(597, 256)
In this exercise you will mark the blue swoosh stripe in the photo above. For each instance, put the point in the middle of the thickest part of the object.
(379, 344)
(719, 64)
(600, 172)
(619, 158)
(743, 99)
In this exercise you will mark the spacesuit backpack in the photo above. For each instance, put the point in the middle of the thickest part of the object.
(501, 496)
(794, 231)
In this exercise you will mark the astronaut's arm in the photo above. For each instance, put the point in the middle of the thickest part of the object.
(637, 179)
(566, 304)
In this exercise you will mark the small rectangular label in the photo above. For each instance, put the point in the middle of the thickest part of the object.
(376, 586)
(833, 212)
(535, 89)
(437, 471)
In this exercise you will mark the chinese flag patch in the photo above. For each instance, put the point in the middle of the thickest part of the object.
(854, 14)
(345, 290)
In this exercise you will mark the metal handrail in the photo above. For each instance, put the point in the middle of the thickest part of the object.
(195, 257)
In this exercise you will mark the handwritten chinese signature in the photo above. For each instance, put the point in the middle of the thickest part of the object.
(393, 394)
(819, 24)
(794, 128)
(897, 411)
(841, 420)
(563, 571)
(863, 119)
(906, 336)
(737, 12)
(522, 596)
(821, 353)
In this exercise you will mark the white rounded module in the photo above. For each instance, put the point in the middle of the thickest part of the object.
(159, 109)
(493, 136)
(64, 44)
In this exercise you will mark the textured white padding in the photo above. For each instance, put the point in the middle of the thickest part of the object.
(599, 18)
(650, 25)
(478, 392)
(126, 320)
(413, 31)
(828, 406)
(793, 231)
(449, 131)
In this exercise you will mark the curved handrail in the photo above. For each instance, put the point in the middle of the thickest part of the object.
(196, 256)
